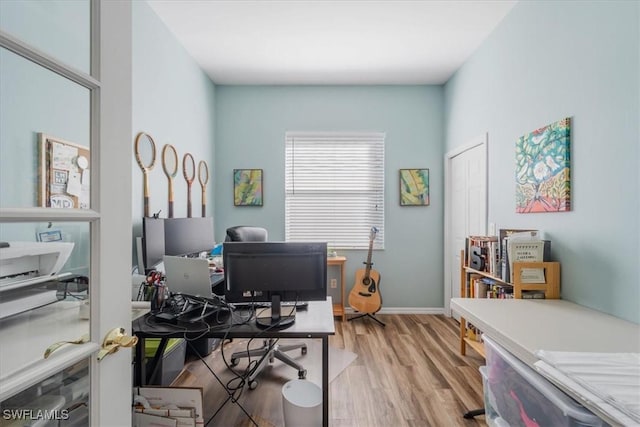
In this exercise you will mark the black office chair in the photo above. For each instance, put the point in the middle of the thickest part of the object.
(246, 233)
(269, 350)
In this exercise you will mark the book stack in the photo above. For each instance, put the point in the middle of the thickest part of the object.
(482, 253)
(533, 295)
(500, 291)
(477, 286)
(485, 287)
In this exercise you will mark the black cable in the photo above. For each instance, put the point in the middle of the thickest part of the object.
(241, 377)
(235, 318)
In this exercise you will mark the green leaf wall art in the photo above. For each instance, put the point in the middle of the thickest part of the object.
(247, 187)
(414, 187)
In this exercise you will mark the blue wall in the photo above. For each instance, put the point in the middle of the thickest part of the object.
(173, 101)
(251, 122)
(546, 61)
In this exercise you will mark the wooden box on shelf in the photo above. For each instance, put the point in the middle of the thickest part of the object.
(550, 286)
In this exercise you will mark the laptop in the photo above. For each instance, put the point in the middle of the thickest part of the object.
(189, 276)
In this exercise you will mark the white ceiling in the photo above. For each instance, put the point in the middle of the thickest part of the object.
(331, 42)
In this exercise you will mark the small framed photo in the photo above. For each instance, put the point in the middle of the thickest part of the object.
(247, 187)
(414, 187)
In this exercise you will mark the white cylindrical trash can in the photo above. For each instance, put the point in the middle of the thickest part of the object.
(302, 404)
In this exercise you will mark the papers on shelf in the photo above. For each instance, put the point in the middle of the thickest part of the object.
(527, 247)
(532, 275)
(168, 407)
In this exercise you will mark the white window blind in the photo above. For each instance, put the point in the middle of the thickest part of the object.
(335, 188)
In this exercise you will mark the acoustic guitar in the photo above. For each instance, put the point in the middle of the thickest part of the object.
(365, 295)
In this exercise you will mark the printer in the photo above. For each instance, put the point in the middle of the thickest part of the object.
(29, 272)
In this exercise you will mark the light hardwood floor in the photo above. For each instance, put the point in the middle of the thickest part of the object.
(409, 373)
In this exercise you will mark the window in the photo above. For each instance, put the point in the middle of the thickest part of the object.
(334, 187)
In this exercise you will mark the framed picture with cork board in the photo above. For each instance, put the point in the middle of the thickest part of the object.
(64, 174)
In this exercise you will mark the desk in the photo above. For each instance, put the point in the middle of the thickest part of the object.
(524, 326)
(314, 322)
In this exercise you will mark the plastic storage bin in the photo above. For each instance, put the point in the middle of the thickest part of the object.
(522, 397)
(202, 347)
(490, 414)
(172, 361)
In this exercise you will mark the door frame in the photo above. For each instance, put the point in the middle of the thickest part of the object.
(111, 385)
(480, 140)
(110, 223)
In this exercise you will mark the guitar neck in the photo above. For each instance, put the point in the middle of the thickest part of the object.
(368, 263)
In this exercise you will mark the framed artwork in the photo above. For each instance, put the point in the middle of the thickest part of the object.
(247, 187)
(63, 173)
(414, 187)
(543, 169)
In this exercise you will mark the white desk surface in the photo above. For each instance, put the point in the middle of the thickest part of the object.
(525, 326)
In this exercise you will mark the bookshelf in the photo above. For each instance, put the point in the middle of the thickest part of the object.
(550, 288)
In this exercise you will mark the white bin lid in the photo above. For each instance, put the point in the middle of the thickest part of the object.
(302, 393)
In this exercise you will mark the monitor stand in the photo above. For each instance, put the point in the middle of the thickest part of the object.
(276, 317)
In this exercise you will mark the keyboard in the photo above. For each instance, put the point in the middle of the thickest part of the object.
(297, 304)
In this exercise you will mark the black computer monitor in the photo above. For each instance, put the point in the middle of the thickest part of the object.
(152, 242)
(275, 272)
(188, 236)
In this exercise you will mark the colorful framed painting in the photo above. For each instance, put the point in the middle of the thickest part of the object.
(543, 169)
(247, 187)
(414, 187)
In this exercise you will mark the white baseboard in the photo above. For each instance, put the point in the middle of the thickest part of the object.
(403, 310)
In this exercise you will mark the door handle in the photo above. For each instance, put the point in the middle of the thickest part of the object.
(115, 339)
(53, 347)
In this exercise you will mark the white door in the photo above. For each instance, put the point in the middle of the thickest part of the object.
(465, 206)
(65, 72)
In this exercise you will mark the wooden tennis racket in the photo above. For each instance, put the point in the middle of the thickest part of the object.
(189, 173)
(203, 178)
(170, 167)
(145, 150)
